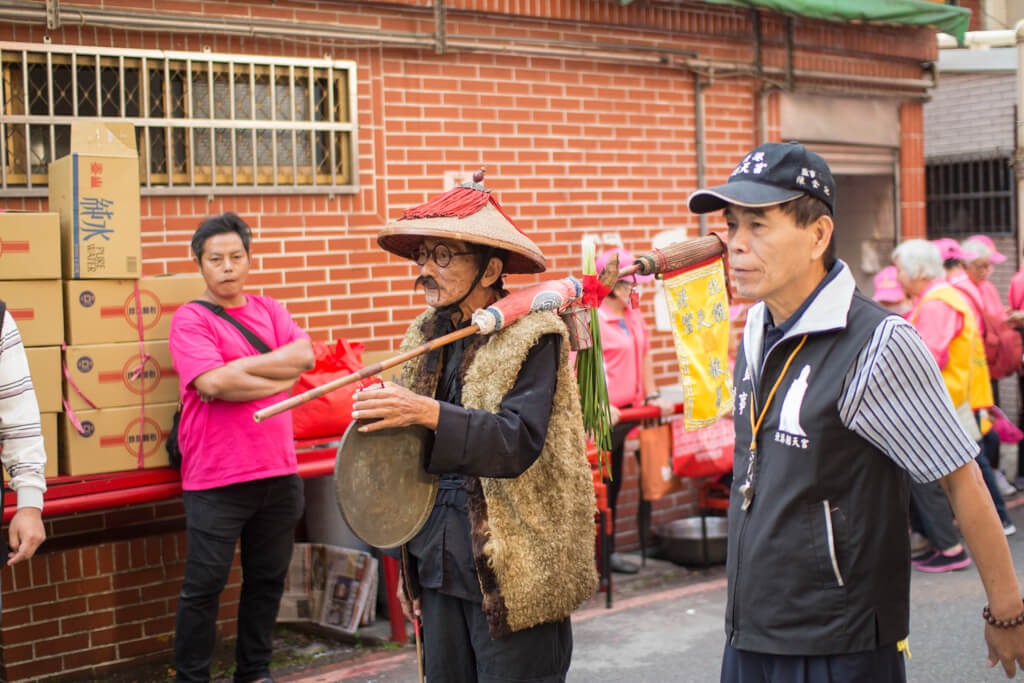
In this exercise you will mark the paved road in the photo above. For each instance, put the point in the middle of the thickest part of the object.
(676, 634)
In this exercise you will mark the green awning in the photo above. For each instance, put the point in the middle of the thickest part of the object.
(951, 20)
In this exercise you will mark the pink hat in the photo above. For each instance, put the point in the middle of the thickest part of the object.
(887, 286)
(995, 256)
(948, 248)
(625, 259)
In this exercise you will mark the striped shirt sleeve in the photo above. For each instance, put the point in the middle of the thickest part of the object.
(894, 397)
(21, 438)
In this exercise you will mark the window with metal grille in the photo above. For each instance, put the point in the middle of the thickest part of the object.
(965, 196)
(205, 123)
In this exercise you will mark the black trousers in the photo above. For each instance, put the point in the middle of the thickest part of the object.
(457, 647)
(619, 432)
(884, 665)
(931, 515)
(263, 514)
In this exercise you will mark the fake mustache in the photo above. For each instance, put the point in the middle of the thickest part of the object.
(425, 281)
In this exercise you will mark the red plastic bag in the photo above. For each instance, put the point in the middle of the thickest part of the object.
(702, 452)
(330, 414)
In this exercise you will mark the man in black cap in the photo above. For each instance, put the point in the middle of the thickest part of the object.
(837, 402)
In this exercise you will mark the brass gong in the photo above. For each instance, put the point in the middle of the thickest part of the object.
(383, 491)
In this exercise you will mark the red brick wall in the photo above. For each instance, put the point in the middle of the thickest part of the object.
(976, 7)
(914, 223)
(571, 145)
(90, 600)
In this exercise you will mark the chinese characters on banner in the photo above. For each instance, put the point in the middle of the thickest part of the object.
(698, 308)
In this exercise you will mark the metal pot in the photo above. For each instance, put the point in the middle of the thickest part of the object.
(683, 542)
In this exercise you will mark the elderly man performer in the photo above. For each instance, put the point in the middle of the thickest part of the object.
(819, 554)
(508, 550)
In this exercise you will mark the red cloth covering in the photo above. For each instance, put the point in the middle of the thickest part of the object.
(593, 291)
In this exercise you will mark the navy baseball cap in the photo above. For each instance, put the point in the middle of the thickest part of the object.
(773, 173)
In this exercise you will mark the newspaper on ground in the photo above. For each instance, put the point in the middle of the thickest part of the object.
(331, 586)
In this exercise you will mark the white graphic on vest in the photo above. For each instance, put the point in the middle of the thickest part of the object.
(789, 416)
(741, 403)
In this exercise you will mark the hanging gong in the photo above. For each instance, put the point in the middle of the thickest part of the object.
(383, 491)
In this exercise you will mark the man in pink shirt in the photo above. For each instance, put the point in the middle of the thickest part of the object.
(239, 477)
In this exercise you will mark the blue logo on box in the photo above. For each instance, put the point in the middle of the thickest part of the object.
(88, 428)
(87, 298)
(84, 364)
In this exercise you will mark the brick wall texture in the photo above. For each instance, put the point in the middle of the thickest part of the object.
(971, 113)
(572, 145)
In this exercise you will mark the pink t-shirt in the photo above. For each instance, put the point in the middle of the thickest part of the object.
(624, 350)
(220, 442)
(990, 300)
(1015, 297)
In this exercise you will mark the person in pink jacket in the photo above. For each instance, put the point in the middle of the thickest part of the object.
(980, 255)
(630, 374)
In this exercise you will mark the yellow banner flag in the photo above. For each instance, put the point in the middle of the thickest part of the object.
(698, 307)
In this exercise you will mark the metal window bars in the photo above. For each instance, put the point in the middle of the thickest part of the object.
(966, 195)
(205, 123)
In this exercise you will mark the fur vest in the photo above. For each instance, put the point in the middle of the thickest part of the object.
(533, 536)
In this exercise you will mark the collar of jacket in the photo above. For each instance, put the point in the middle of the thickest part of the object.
(827, 312)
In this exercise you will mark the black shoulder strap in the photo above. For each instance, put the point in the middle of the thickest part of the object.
(3, 309)
(249, 335)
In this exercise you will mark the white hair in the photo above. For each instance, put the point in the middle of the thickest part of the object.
(919, 258)
(975, 250)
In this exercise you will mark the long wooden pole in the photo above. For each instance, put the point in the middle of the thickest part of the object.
(368, 371)
(665, 260)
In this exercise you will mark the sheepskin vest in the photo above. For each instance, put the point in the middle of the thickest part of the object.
(533, 536)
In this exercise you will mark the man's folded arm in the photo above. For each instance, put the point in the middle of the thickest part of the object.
(286, 362)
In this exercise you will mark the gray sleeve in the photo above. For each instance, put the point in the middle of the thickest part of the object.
(895, 398)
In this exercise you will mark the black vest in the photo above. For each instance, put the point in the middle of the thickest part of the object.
(820, 562)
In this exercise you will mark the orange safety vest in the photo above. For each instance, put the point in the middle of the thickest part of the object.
(966, 372)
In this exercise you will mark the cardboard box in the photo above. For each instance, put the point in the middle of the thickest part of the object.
(37, 307)
(50, 442)
(48, 423)
(103, 311)
(29, 246)
(111, 438)
(44, 366)
(108, 374)
(95, 189)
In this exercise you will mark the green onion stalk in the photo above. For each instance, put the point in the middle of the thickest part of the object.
(590, 376)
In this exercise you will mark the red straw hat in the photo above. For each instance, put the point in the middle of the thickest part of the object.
(469, 213)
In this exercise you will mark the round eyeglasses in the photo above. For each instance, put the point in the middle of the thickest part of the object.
(441, 253)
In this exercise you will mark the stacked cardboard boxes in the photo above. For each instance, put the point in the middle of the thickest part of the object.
(122, 390)
(30, 268)
(132, 387)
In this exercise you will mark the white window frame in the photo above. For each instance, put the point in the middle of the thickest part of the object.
(336, 80)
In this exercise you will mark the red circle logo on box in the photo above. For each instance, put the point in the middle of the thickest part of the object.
(150, 306)
(151, 437)
(144, 380)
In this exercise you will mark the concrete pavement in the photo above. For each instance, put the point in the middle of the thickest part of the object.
(666, 625)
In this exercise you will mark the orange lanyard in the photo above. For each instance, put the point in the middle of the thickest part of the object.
(747, 488)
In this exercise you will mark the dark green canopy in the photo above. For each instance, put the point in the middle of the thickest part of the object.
(952, 20)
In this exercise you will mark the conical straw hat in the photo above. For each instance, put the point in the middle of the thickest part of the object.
(468, 213)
